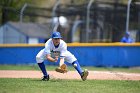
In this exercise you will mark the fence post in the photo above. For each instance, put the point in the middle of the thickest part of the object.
(128, 13)
(21, 12)
(88, 19)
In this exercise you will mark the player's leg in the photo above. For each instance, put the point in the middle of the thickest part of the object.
(40, 58)
(71, 59)
(84, 73)
(77, 67)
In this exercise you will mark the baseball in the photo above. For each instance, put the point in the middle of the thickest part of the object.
(75, 65)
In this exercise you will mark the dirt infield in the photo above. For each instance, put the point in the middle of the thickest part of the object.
(95, 75)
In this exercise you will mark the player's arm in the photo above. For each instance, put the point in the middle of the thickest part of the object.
(61, 61)
(48, 56)
(63, 54)
(47, 52)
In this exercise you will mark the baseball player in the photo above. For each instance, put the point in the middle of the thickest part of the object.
(55, 47)
(127, 38)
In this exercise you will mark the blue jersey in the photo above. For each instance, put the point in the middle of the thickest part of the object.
(127, 40)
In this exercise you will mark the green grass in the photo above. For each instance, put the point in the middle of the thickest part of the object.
(67, 86)
(10, 85)
(49, 68)
(19, 67)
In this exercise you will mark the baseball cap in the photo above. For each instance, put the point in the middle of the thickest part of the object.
(56, 35)
(127, 33)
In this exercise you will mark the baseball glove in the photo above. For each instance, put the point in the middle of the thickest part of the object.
(62, 69)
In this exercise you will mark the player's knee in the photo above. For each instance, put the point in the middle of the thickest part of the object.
(39, 60)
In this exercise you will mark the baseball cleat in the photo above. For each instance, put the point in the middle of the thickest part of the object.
(84, 74)
(46, 78)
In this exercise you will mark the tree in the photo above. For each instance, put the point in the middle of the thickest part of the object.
(9, 9)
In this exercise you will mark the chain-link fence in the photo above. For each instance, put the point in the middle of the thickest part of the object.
(83, 20)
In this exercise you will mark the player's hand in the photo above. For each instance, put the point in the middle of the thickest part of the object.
(52, 59)
(56, 58)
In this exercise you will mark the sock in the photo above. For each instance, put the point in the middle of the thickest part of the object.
(43, 69)
(77, 67)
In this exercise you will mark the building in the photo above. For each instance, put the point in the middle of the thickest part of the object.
(16, 32)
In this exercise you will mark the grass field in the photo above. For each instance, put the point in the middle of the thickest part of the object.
(25, 85)
(68, 86)
(49, 68)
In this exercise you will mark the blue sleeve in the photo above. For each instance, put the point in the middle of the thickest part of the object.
(123, 40)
